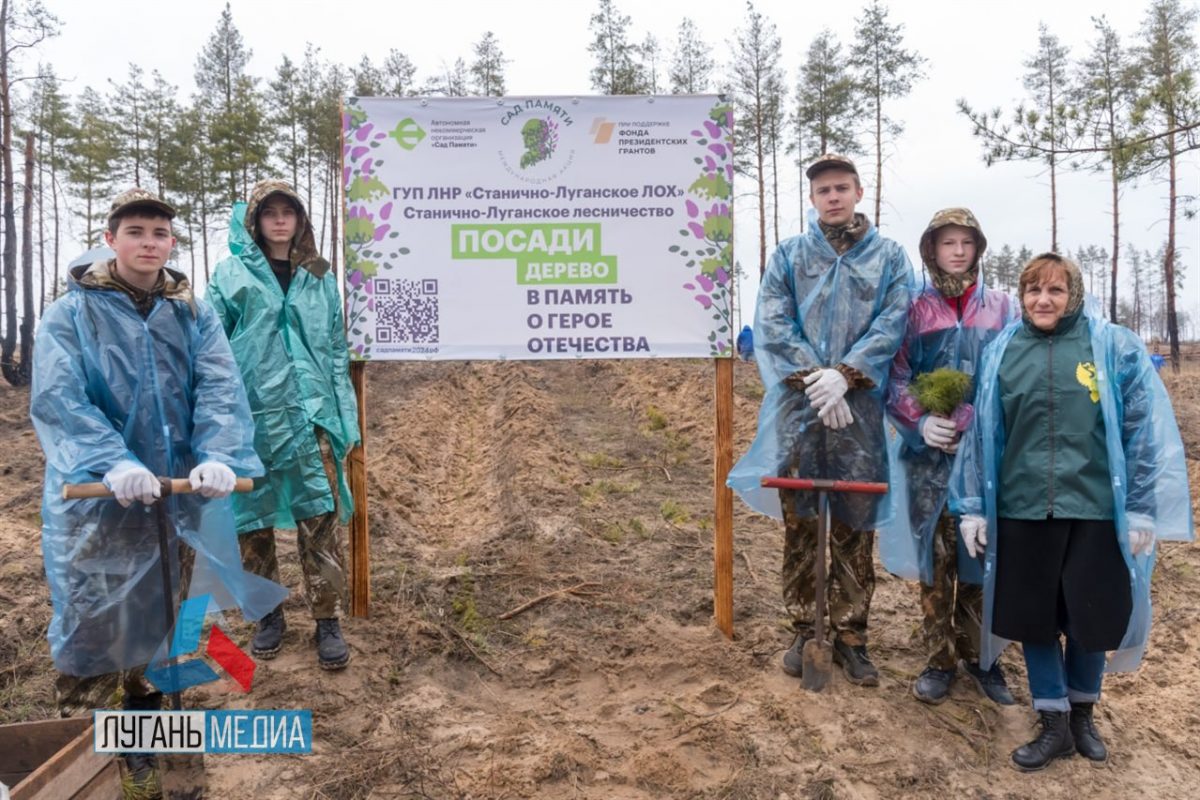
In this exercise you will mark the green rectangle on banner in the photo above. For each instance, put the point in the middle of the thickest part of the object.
(587, 269)
(564, 241)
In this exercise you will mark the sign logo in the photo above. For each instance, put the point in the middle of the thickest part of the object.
(602, 130)
(220, 648)
(407, 133)
(541, 140)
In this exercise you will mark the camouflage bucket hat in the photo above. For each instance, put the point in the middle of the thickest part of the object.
(951, 285)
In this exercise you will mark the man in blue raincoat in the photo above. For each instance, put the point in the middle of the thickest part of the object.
(132, 381)
(279, 303)
(830, 317)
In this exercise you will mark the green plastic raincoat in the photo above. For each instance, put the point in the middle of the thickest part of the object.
(292, 354)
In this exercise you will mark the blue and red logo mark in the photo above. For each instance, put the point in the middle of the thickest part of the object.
(220, 648)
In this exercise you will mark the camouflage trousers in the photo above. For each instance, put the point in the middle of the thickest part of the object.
(851, 576)
(78, 696)
(951, 611)
(320, 551)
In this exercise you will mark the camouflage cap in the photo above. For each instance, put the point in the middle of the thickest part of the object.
(138, 197)
(829, 161)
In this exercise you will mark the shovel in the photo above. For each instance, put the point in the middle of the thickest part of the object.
(817, 655)
(169, 486)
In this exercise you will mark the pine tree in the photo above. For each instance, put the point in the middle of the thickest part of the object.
(828, 105)
(162, 109)
(368, 79)
(692, 62)
(452, 82)
(649, 54)
(757, 86)
(19, 29)
(283, 102)
(129, 126)
(1107, 88)
(616, 70)
(1044, 130)
(89, 155)
(1169, 112)
(487, 70)
(885, 71)
(399, 75)
(51, 123)
(222, 82)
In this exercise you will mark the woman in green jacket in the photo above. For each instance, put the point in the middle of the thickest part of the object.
(279, 303)
(1072, 469)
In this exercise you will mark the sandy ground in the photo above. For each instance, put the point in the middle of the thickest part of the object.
(492, 484)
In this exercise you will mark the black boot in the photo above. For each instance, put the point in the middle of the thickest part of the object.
(793, 659)
(1055, 741)
(856, 664)
(1087, 739)
(142, 768)
(269, 636)
(332, 652)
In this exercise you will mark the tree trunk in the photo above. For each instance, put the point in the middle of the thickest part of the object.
(54, 202)
(9, 346)
(1169, 258)
(760, 159)
(878, 143)
(41, 211)
(26, 367)
(335, 171)
(1116, 239)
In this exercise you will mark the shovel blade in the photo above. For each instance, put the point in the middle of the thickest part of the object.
(817, 658)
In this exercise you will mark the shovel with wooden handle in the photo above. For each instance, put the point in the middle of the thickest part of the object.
(169, 486)
(817, 656)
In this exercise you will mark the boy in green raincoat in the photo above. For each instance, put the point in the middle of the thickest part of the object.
(279, 303)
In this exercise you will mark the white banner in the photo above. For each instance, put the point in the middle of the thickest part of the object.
(538, 227)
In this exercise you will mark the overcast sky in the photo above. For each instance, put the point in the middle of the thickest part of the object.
(974, 50)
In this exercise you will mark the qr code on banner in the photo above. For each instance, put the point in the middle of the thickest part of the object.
(406, 311)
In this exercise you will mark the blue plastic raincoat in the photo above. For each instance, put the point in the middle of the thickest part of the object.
(1145, 458)
(818, 309)
(292, 354)
(936, 337)
(163, 392)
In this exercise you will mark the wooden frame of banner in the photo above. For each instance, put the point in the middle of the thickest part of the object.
(360, 557)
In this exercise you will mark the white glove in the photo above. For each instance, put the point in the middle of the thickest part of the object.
(836, 415)
(1141, 542)
(825, 387)
(974, 533)
(939, 433)
(130, 482)
(212, 479)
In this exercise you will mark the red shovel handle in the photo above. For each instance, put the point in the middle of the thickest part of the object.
(824, 485)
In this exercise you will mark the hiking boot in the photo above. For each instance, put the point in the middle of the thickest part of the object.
(268, 638)
(933, 685)
(1055, 741)
(855, 663)
(990, 683)
(1083, 728)
(332, 652)
(142, 777)
(793, 659)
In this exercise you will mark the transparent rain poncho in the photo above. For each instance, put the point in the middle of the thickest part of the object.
(292, 353)
(110, 388)
(1145, 458)
(935, 338)
(818, 309)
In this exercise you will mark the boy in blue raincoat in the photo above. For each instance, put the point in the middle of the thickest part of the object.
(830, 316)
(134, 381)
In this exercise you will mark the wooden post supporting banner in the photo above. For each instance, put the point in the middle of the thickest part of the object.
(360, 551)
(723, 499)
